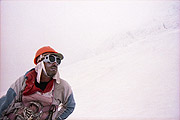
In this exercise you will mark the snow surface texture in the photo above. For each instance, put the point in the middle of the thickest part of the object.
(131, 74)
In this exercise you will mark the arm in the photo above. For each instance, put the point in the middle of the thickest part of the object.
(64, 94)
(11, 96)
(6, 100)
(67, 109)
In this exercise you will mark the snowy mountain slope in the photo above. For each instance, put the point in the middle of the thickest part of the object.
(165, 17)
(138, 81)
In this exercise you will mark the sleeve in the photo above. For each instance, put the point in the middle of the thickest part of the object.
(11, 96)
(65, 95)
(68, 108)
(6, 100)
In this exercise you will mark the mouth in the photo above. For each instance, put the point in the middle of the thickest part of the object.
(54, 68)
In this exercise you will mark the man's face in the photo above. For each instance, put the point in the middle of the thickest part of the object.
(51, 68)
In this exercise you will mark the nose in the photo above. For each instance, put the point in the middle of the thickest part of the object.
(55, 63)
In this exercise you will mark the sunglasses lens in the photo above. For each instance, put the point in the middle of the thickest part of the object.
(58, 60)
(51, 58)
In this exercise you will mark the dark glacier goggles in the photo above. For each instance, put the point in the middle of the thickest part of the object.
(50, 58)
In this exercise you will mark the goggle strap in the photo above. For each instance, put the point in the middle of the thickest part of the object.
(40, 58)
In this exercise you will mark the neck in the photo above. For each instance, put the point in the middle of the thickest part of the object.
(45, 78)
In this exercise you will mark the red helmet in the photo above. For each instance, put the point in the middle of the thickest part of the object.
(46, 49)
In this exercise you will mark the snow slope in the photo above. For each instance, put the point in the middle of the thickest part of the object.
(140, 80)
(133, 75)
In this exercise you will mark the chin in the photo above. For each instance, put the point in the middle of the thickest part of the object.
(52, 75)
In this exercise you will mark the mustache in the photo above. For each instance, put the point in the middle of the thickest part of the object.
(54, 66)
